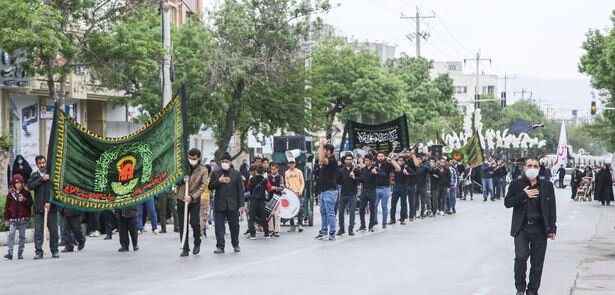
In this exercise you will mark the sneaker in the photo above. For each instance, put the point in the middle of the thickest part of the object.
(251, 237)
(81, 246)
(341, 232)
(454, 211)
(246, 233)
(300, 229)
(38, 256)
(402, 222)
(184, 253)
(371, 229)
(66, 250)
(55, 255)
(384, 226)
(362, 229)
(96, 233)
(292, 229)
(163, 231)
(108, 237)
(122, 249)
(196, 250)
(276, 234)
(392, 222)
(319, 237)
(20, 256)
(8, 256)
(236, 249)
(156, 231)
(332, 237)
(350, 232)
(141, 232)
(267, 235)
(219, 251)
(115, 230)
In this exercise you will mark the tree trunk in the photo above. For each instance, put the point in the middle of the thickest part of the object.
(50, 83)
(229, 126)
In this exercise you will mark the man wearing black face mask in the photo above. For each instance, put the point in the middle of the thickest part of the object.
(228, 202)
(196, 185)
(533, 221)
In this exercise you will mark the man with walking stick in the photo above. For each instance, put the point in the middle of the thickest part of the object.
(45, 214)
(189, 202)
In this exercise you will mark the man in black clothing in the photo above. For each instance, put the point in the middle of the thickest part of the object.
(39, 183)
(347, 178)
(533, 221)
(368, 177)
(71, 220)
(561, 173)
(228, 202)
(434, 178)
(127, 224)
(385, 167)
(400, 192)
(421, 173)
(444, 183)
(412, 200)
(259, 188)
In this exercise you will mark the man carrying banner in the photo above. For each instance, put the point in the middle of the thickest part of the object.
(196, 186)
(39, 183)
(228, 202)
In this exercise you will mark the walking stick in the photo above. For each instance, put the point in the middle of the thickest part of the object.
(185, 222)
(45, 229)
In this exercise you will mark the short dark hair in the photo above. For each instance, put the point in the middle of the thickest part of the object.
(329, 147)
(367, 157)
(265, 159)
(380, 152)
(259, 169)
(194, 153)
(39, 157)
(347, 156)
(531, 159)
(275, 165)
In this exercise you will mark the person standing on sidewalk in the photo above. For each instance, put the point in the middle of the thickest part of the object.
(452, 194)
(39, 183)
(400, 192)
(385, 166)
(295, 182)
(533, 221)
(327, 186)
(196, 185)
(17, 213)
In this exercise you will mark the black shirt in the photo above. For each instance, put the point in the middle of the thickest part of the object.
(400, 177)
(368, 179)
(349, 185)
(384, 171)
(534, 213)
(326, 177)
(421, 175)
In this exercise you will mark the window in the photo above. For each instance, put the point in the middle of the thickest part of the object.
(461, 89)
(452, 68)
(490, 90)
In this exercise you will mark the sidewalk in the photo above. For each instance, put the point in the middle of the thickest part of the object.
(596, 274)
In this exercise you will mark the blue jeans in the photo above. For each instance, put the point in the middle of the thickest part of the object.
(351, 202)
(151, 211)
(382, 198)
(327, 211)
(488, 188)
(452, 198)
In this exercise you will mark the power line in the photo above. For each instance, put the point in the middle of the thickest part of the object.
(418, 35)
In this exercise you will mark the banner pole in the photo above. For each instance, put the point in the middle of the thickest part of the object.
(45, 229)
(185, 222)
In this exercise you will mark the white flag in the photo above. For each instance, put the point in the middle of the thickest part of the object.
(562, 151)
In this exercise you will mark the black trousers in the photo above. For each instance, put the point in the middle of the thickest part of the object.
(110, 222)
(421, 195)
(128, 225)
(257, 215)
(350, 202)
(72, 227)
(194, 210)
(412, 201)
(400, 193)
(52, 226)
(232, 216)
(93, 221)
(531, 242)
(368, 197)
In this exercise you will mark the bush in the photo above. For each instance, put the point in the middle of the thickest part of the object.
(3, 227)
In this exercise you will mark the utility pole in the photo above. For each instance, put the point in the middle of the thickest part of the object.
(165, 73)
(523, 92)
(504, 94)
(417, 35)
(477, 60)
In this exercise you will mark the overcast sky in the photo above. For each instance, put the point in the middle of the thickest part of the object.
(538, 38)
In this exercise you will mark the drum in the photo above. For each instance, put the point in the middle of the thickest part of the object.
(289, 204)
(271, 204)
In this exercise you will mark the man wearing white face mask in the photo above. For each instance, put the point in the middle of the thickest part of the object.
(196, 185)
(533, 221)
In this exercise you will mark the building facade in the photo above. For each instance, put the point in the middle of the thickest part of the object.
(465, 82)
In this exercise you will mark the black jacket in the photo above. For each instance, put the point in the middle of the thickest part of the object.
(228, 196)
(128, 212)
(368, 179)
(42, 192)
(445, 178)
(517, 199)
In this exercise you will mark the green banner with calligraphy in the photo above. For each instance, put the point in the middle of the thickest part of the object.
(90, 172)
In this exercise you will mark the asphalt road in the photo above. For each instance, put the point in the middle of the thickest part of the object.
(468, 253)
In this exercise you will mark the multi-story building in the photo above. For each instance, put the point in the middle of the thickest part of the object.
(464, 82)
(385, 51)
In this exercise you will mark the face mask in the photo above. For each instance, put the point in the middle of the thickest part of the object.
(226, 166)
(531, 173)
(193, 162)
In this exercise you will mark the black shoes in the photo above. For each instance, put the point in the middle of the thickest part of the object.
(163, 230)
(185, 253)
(81, 246)
(371, 229)
(38, 256)
(350, 232)
(219, 251)
(20, 256)
(9, 257)
(319, 237)
(136, 248)
(122, 249)
(341, 232)
(54, 255)
(391, 222)
(196, 250)
(236, 249)
(108, 237)
(362, 229)
(67, 249)
(384, 225)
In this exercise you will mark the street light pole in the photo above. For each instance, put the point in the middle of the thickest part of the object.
(165, 74)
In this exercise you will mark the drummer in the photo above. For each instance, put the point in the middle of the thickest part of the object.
(295, 182)
(277, 181)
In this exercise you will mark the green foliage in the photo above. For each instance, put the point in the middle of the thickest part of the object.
(6, 141)
(597, 62)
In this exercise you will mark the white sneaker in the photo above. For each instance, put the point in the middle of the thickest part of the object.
(96, 233)
(156, 231)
